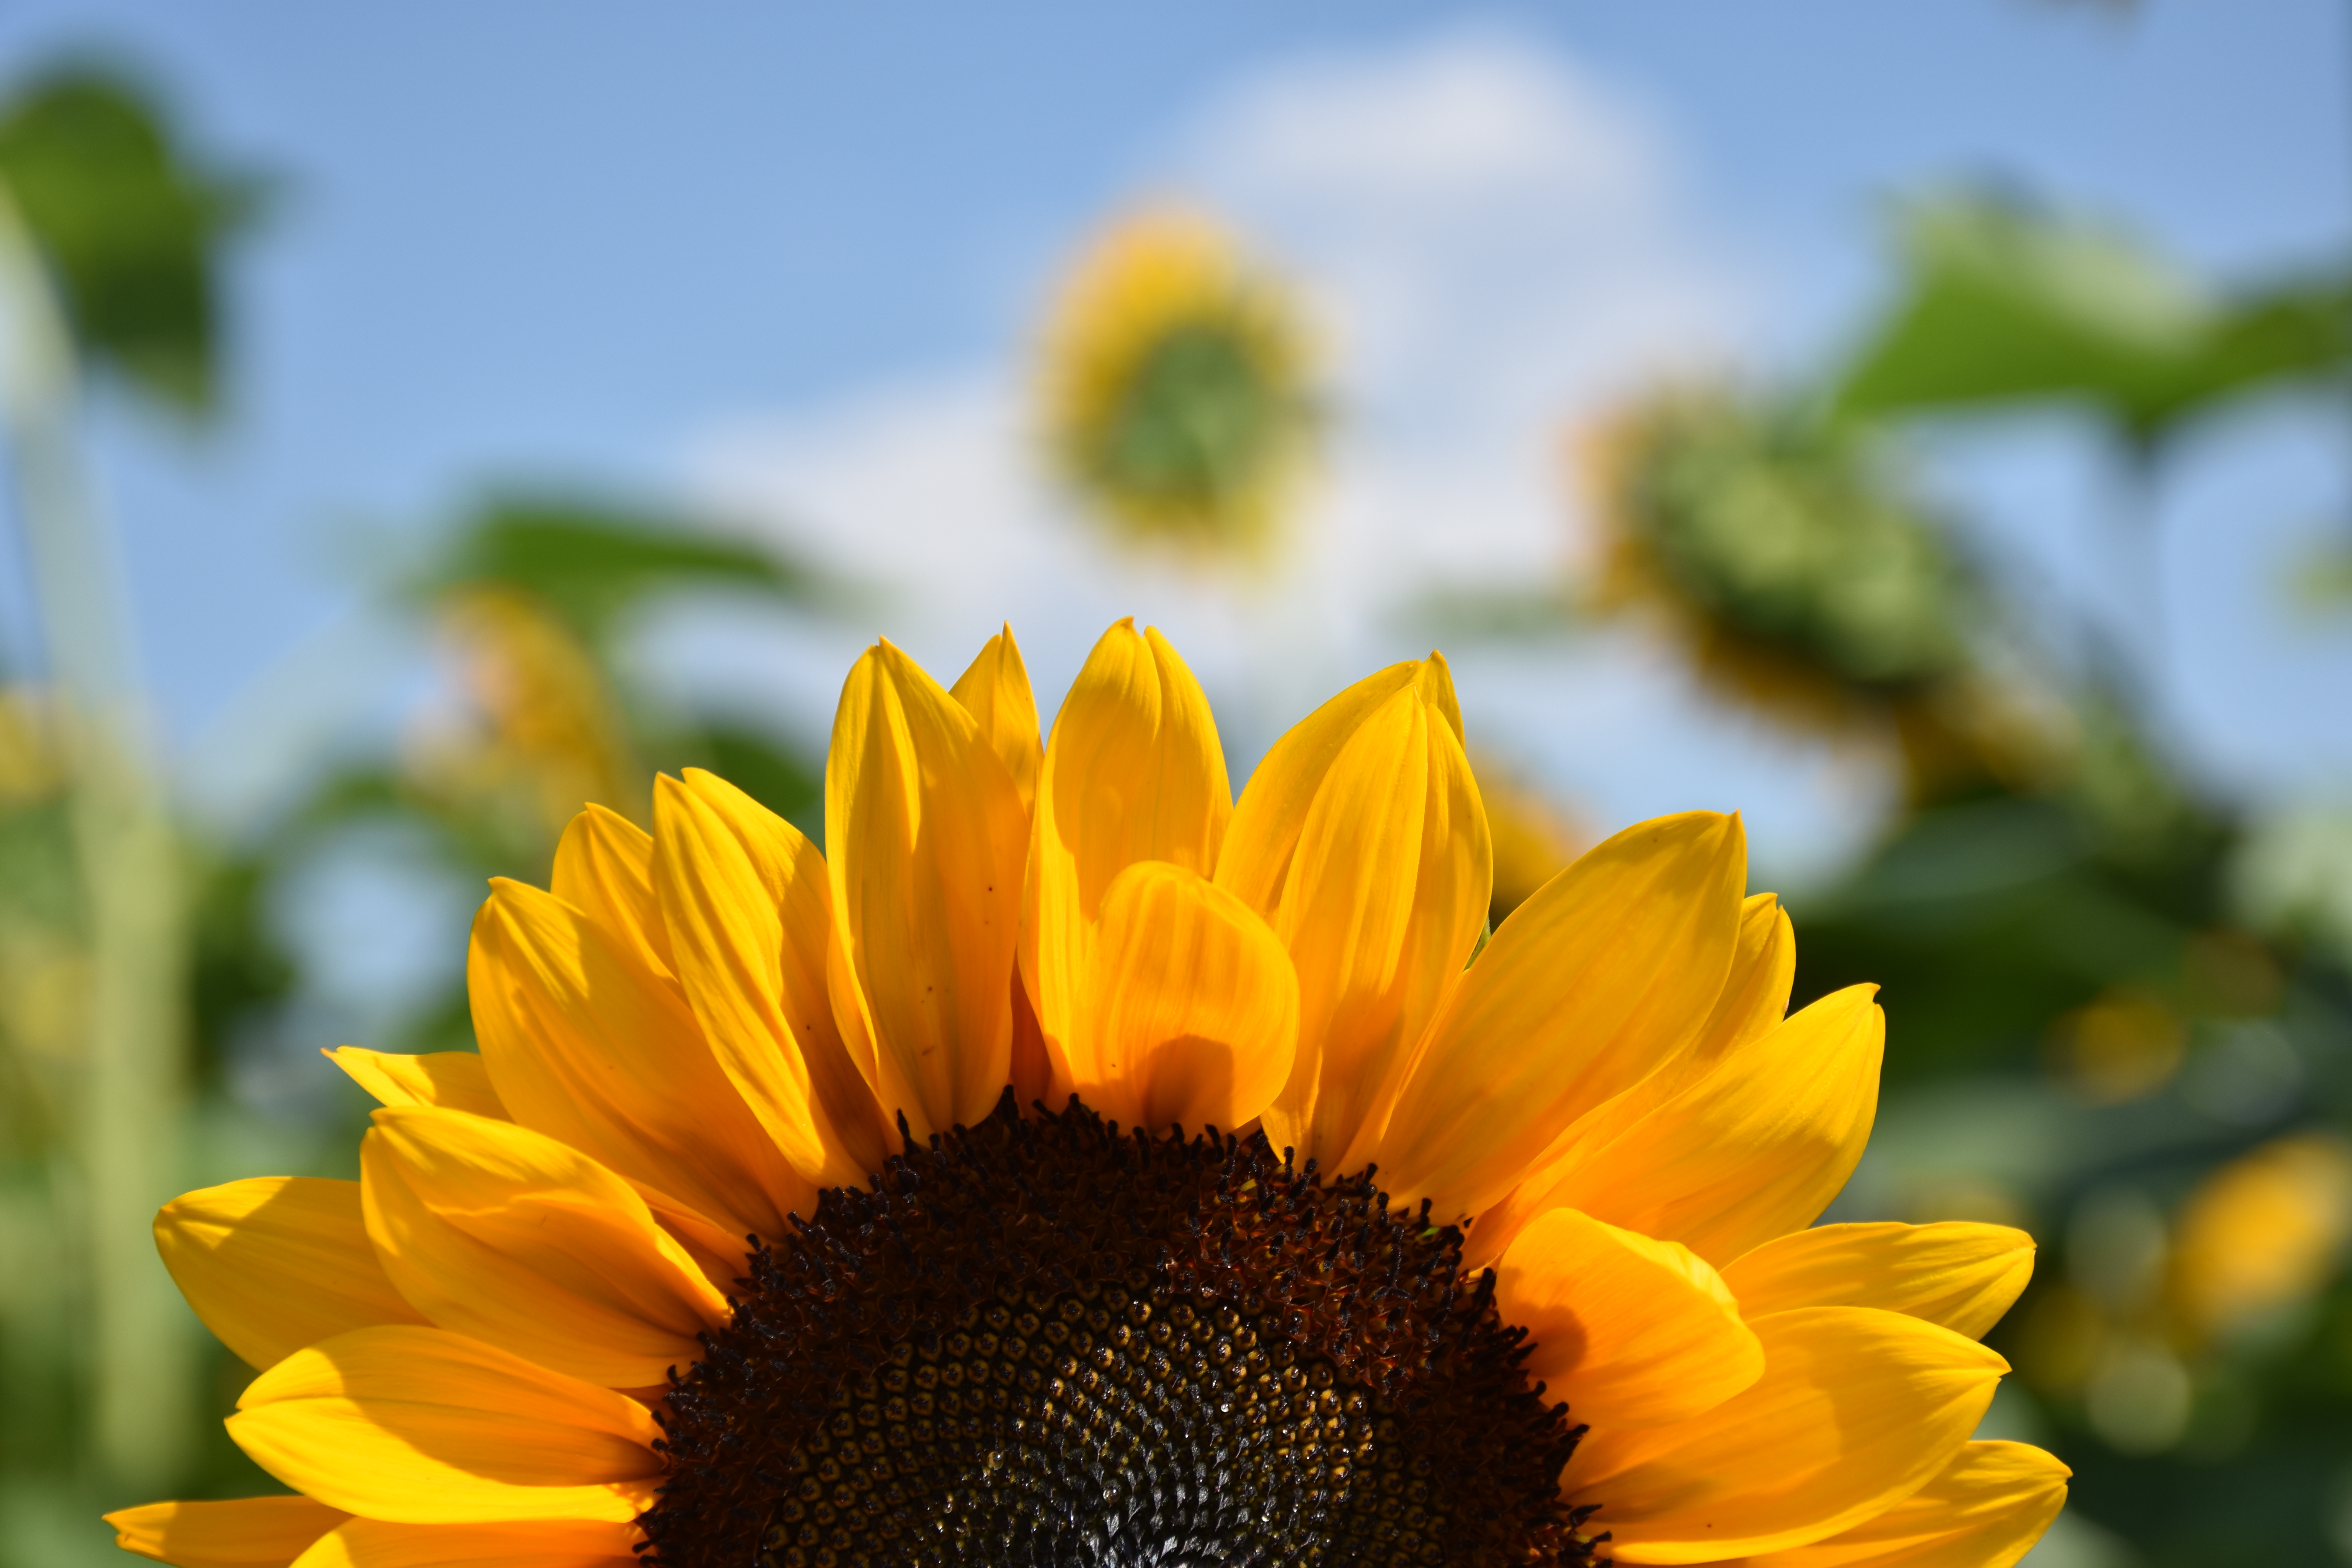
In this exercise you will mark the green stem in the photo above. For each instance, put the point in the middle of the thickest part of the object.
(126, 1121)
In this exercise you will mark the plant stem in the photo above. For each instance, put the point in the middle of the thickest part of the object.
(126, 1119)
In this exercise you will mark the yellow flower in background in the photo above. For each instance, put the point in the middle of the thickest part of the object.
(2124, 1044)
(1176, 395)
(2263, 1232)
(542, 732)
(1805, 582)
(32, 760)
(1322, 1242)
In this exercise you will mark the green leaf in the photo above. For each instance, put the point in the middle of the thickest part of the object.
(2004, 304)
(129, 224)
(590, 561)
(788, 783)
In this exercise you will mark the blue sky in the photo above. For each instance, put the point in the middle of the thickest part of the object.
(791, 256)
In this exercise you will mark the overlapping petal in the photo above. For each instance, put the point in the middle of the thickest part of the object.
(459, 1080)
(540, 1543)
(750, 910)
(1959, 1274)
(605, 869)
(1755, 1148)
(1753, 1001)
(1857, 1409)
(1633, 1332)
(1134, 774)
(1986, 1511)
(588, 1045)
(1192, 1011)
(1606, 974)
(275, 1263)
(424, 1426)
(1755, 995)
(925, 840)
(504, 1233)
(994, 689)
(1381, 896)
(244, 1532)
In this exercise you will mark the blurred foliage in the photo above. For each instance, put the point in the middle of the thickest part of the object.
(2120, 1008)
(114, 236)
(2003, 305)
(531, 598)
(590, 561)
(129, 224)
(1176, 387)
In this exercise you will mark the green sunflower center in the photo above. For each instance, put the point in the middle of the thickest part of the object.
(1039, 1343)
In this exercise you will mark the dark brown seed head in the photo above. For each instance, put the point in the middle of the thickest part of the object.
(1037, 1343)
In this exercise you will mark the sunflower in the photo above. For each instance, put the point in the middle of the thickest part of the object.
(1175, 385)
(1071, 1165)
(1807, 582)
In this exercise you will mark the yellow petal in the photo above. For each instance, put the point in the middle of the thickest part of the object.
(924, 840)
(1986, 1511)
(1254, 864)
(1604, 975)
(425, 1426)
(1753, 1001)
(249, 1532)
(1956, 1273)
(1194, 1011)
(540, 1543)
(1755, 1148)
(460, 1081)
(994, 689)
(745, 896)
(588, 1045)
(1383, 903)
(501, 1233)
(605, 869)
(1134, 772)
(276, 1263)
(1631, 1332)
(1857, 1410)
(1754, 996)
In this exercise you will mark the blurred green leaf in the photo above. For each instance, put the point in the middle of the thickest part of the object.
(787, 783)
(2005, 303)
(130, 223)
(590, 561)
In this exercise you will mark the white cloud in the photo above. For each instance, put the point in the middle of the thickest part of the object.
(1491, 241)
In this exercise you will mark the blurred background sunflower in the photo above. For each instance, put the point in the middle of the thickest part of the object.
(1176, 387)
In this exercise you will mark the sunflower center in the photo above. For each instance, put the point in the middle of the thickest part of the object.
(1039, 1343)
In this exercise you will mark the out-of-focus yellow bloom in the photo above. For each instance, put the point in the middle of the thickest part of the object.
(2263, 1231)
(544, 734)
(2122, 1046)
(1176, 385)
(43, 992)
(32, 765)
(1534, 839)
